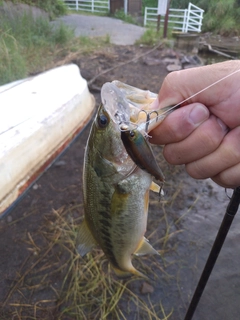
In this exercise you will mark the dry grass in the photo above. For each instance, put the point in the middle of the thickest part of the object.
(83, 288)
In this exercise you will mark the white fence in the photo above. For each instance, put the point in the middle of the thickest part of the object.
(100, 6)
(184, 20)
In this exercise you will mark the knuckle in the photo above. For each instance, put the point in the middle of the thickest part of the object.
(172, 80)
(222, 181)
(228, 178)
(212, 141)
(211, 135)
(196, 171)
(232, 145)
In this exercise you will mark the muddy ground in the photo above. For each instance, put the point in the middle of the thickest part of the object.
(41, 276)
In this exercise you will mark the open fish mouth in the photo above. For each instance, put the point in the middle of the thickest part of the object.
(131, 110)
(128, 106)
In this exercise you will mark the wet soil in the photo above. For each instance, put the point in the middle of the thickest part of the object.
(37, 236)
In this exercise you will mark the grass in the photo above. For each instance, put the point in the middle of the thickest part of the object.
(87, 288)
(150, 37)
(128, 18)
(12, 63)
(29, 46)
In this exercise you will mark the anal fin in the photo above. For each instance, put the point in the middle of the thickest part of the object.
(85, 241)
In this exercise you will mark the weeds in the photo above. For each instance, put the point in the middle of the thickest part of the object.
(12, 63)
(26, 44)
(119, 14)
(29, 46)
(150, 37)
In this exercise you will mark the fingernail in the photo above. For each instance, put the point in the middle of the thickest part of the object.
(198, 114)
(222, 124)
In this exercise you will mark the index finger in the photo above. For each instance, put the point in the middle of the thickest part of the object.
(192, 84)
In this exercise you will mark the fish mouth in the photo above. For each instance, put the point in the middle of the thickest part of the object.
(127, 106)
(132, 107)
(115, 103)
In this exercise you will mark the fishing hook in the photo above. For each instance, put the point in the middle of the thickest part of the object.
(148, 117)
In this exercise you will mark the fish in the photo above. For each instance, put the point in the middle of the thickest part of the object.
(116, 188)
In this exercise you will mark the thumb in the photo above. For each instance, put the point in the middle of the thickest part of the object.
(180, 124)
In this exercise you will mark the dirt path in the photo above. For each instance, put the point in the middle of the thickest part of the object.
(120, 33)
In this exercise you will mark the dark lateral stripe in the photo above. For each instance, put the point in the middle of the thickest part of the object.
(104, 214)
(107, 245)
(105, 223)
(106, 234)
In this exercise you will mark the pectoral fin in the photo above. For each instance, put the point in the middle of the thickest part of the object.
(85, 241)
(145, 248)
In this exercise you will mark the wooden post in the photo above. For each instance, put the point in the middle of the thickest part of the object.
(166, 21)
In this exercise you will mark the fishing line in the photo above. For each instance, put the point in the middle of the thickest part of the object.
(208, 87)
(192, 96)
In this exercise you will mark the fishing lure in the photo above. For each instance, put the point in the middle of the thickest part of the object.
(141, 152)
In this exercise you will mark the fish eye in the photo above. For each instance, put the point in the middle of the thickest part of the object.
(102, 121)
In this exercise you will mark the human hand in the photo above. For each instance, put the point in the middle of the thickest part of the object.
(204, 134)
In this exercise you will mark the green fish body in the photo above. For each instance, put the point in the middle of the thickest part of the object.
(116, 195)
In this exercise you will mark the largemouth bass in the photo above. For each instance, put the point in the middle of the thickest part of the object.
(115, 188)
